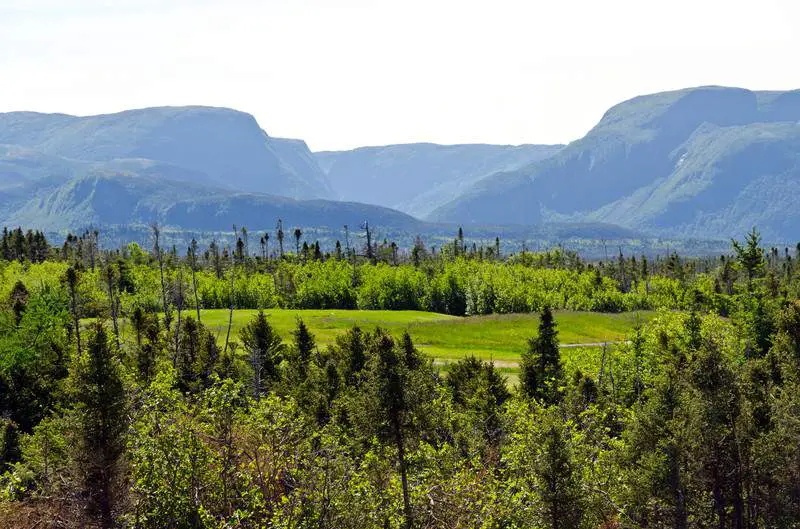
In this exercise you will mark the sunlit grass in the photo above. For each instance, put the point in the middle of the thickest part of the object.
(447, 338)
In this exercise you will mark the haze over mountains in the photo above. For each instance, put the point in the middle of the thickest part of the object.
(417, 178)
(706, 162)
(206, 145)
(703, 162)
(196, 168)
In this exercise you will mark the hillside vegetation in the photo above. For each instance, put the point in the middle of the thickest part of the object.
(126, 401)
(419, 177)
(704, 161)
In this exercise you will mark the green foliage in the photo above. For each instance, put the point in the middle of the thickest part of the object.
(101, 407)
(689, 420)
(542, 373)
(265, 349)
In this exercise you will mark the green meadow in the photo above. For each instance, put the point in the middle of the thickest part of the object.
(501, 338)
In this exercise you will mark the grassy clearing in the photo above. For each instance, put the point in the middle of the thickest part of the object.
(501, 338)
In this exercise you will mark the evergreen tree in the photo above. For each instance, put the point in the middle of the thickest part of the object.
(297, 234)
(411, 355)
(19, 300)
(72, 285)
(352, 348)
(265, 349)
(750, 256)
(304, 346)
(390, 377)
(280, 236)
(557, 478)
(151, 347)
(191, 342)
(542, 375)
(101, 405)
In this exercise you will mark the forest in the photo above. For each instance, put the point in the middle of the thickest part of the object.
(120, 408)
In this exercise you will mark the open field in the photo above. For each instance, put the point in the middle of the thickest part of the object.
(501, 338)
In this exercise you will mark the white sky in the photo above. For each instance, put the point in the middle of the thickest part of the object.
(345, 73)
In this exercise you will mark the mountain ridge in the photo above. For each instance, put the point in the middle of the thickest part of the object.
(635, 148)
(418, 177)
(226, 145)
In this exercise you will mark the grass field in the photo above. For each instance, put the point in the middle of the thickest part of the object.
(501, 338)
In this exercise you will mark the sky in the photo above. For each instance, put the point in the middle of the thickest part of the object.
(347, 73)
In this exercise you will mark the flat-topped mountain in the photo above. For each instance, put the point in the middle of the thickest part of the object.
(217, 146)
(708, 162)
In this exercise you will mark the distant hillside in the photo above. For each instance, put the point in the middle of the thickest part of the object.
(419, 177)
(705, 162)
(124, 199)
(216, 146)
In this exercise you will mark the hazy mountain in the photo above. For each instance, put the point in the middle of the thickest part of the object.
(77, 172)
(707, 162)
(419, 177)
(216, 146)
(129, 199)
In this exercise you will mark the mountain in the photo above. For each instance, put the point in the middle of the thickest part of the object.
(419, 177)
(702, 162)
(214, 146)
(127, 199)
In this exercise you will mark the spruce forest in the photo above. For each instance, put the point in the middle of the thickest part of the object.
(127, 401)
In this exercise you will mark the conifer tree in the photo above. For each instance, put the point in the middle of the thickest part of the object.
(353, 349)
(391, 394)
(750, 256)
(265, 350)
(101, 407)
(304, 345)
(557, 478)
(542, 374)
(150, 347)
(72, 286)
(280, 237)
(193, 265)
(297, 234)
(19, 300)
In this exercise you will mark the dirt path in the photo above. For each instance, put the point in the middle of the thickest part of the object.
(512, 364)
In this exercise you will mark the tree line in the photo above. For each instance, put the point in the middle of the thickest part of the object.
(693, 422)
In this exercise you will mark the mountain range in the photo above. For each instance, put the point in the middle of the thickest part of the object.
(419, 177)
(708, 162)
(195, 168)
(701, 162)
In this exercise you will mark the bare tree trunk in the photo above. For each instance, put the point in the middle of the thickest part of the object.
(194, 278)
(233, 296)
(75, 319)
(180, 312)
(160, 257)
(112, 301)
(401, 456)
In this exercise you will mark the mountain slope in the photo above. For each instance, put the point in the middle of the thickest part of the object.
(417, 178)
(696, 161)
(126, 199)
(222, 146)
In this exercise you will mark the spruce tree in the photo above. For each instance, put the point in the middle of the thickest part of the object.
(542, 374)
(101, 407)
(304, 345)
(297, 234)
(72, 286)
(557, 478)
(353, 350)
(19, 301)
(390, 378)
(265, 349)
(188, 353)
(750, 256)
